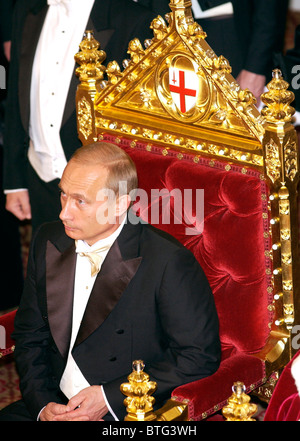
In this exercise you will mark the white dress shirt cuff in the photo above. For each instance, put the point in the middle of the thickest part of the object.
(38, 417)
(15, 190)
(108, 406)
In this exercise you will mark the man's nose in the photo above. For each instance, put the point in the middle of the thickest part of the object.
(66, 211)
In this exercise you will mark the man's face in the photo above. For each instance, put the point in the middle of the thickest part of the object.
(86, 214)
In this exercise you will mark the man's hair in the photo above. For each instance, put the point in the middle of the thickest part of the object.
(120, 166)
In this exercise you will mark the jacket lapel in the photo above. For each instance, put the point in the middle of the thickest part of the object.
(31, 33)
(60, 273)
(116, 273)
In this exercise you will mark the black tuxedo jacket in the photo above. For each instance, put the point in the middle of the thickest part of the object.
(150, 301)
(115, 23)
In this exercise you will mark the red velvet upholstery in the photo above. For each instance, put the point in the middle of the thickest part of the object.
(285, 402)
(7, 321)
(231, 250)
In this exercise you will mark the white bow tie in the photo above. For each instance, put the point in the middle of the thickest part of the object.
(94, 258)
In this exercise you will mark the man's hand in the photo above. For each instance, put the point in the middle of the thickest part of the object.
(51, 410)
(87, 405)
(252, 81)
(18, 204)
(7, 47)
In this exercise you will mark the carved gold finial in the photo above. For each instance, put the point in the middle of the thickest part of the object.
(139, 402)
(135, 50)
(239, 408)
(180, 4)
(113, 72)
(278, 99)
(90, 58)
(159, 27)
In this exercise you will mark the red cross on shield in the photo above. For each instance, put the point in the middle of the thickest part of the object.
(184, 87)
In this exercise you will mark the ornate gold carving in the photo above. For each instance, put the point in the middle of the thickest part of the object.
(196, 31)
(239, 407)
(84, 117)
(90, 59)
(139, 390)
(288, 310)
(113, 72)
(159, 27)
(285, 234)
(291, 159)
(272, 160)
(286, 258)
(284, 207)
(278, 99)
(265, 391)
(135, 50)
(146, 96)
(139, 401)
(287, 285)
(220, 66)
(147, 80)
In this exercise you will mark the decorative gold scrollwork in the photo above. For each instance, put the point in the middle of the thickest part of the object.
(159, 27)
(272, 160)
(113, 72)
(135, 50)
(84, 115)
(284, 207)
(291, 159)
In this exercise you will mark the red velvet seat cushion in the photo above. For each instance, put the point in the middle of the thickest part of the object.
(210, 394)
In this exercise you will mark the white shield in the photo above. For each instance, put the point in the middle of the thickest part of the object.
(184, 87)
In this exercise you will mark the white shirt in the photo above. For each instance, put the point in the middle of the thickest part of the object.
(225, 9)
(53, 68)
(73, 380)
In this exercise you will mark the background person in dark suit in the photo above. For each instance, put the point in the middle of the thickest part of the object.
(11, 272)
(246, 32)
(78, 332)
(41, 118)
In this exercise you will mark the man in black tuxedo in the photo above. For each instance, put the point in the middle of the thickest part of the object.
(77, 331)
(40, 117)
(246, 32)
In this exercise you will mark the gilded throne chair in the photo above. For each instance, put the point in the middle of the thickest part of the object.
(178, 112)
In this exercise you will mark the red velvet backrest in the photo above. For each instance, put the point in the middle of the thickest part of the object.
(232, 244)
